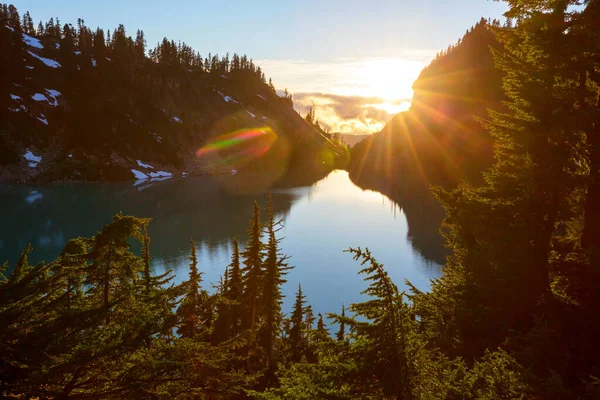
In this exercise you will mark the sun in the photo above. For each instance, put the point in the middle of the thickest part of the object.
(388, 78)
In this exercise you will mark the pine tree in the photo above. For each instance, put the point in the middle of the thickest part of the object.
(253, 272)
(297, 333)
(195, 313)
(275, 267)
(22, 267)
(386, 329)
(235, 291)
(340, 335)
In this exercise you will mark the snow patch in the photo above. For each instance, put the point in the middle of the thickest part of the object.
(224, 77)
(54, 94)
(39, 97)
(29, 67)
(227, 98)
(10, 28)
(42, 97)
(93, 62)
(32, 42)
(176, 119)
(160, 174)
(262, 97)
(144, 165)
(158, 138)
(17, 109)
(252, 115)
(49, 62)
(33, 196)
(233, 171)
(15, 97)
(77, 53)
(70, 155)
(139, 175)
(32, 158)
(43, 119)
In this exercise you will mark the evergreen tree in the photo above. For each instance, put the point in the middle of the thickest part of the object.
(253, 272)
(297, 335)
(235, 290)
(195, 313)
(386, 330)
(341, 333)
(275, 267)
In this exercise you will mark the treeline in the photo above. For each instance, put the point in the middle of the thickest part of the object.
(153, 104)
(97, 43)
(313, 120)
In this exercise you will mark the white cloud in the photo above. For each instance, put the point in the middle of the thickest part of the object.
(351, 94)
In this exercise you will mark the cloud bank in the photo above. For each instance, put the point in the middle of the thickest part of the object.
(350, 114)
(351, 95)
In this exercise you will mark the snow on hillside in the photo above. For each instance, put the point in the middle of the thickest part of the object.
(50, 92)
(32, 158)
(54, 94)
(144, 165)
(227, 98)
(160, 174)
(43, 119)
(32, 42)
(139, 175)
(39, 97)
(50, 63)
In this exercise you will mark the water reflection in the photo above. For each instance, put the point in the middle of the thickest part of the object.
(196, 207)
(321, 221)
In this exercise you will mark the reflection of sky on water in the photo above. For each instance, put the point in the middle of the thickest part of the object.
(320, 222)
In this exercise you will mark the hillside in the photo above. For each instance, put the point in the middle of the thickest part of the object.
(350, 139)
(439, 140)
(82, 104)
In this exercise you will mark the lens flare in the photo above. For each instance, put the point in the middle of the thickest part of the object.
(256, 157)
(238, 148)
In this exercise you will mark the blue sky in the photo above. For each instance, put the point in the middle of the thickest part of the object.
(309, 46)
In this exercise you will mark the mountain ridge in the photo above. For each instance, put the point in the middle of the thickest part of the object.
(77, 104)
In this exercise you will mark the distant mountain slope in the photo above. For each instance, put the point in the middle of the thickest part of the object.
(439, 140)
(351, 139)
(85, 105)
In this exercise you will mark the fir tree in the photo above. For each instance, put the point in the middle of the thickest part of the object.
(341, 333)
(275, 267)
(297, 333)
(253, 271)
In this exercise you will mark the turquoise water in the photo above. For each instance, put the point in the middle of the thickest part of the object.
(320, 221)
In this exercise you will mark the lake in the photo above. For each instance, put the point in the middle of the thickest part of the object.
(320, 221)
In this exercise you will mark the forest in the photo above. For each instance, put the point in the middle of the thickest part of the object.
(515, 314)
(75, 97)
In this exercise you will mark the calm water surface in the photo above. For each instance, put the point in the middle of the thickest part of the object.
(320, 222)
